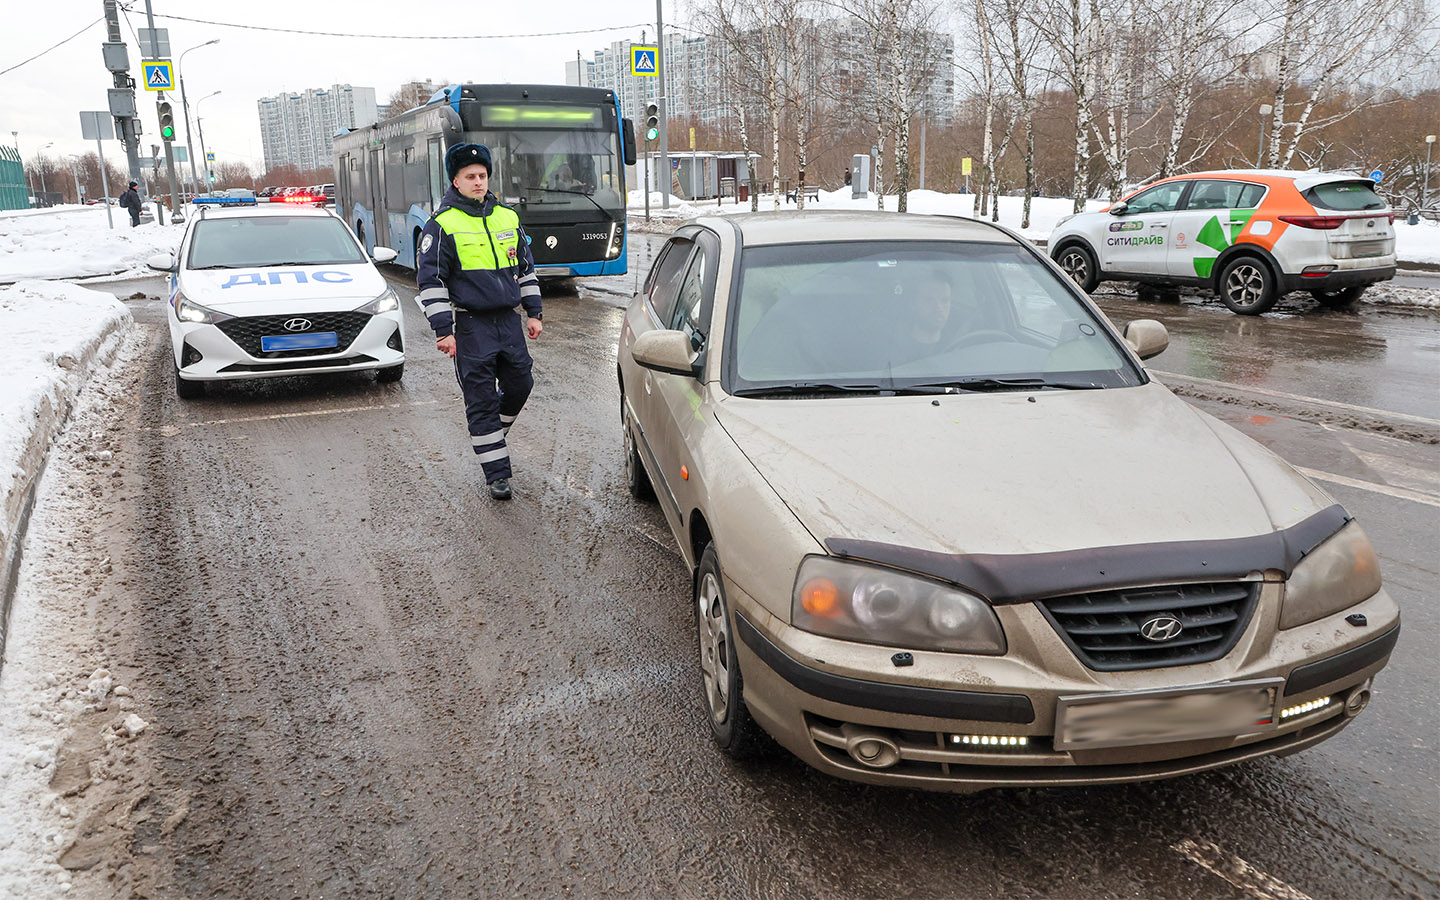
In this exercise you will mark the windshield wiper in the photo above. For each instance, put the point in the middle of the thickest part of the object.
(807, 387)
(576, 193)
(1006, 384)
(217, 266)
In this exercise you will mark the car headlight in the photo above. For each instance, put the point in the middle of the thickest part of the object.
(1063, 219)
(1338, 574)
(386, 302)
(884, 606)
(189, 311)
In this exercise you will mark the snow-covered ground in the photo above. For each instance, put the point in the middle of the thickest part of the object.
(76, 241)
(53, 336)
(1413, 243)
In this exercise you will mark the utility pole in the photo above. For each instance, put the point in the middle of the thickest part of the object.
(127, 125)
(664, 113)
(162, 109)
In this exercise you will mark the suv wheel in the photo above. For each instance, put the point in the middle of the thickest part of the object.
(1080, 265)
(1338, 299)
(1247, 287)
(730, 723)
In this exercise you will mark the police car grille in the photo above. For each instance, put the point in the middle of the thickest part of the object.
(1103, 627)
(246, 331)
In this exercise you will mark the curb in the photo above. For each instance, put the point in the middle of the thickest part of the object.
(50, 420)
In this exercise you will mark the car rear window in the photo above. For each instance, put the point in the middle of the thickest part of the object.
(1346, 196)
(243, 243)
(902, 313)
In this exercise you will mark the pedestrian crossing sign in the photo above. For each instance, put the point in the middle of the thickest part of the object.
(158, 75)
(644, 60)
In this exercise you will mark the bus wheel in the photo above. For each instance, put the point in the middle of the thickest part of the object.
(415, 246)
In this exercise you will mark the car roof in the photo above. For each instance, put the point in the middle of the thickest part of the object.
(1303, 180)
(759, 229)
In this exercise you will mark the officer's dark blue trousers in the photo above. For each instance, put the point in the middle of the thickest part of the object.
(489, 351)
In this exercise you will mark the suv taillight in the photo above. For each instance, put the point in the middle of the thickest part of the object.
(1324, 223)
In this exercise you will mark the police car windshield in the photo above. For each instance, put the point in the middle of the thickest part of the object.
(248, 242)
(904, 315)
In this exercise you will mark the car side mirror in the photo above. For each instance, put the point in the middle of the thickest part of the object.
(1147, 337)
(664, 351)
(383, 254)
(161, 262)
(1118, 209)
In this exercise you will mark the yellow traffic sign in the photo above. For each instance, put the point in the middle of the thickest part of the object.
(157, 75)
(965, 166)
(644, 60)
(692, 138)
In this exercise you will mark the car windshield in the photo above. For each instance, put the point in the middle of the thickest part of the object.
(917, 316)
(247, 242)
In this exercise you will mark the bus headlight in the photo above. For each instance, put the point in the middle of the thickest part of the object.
(885, 606)
(1338, 574)
(617, 241)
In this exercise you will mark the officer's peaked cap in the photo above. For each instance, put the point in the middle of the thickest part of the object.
(462, 155)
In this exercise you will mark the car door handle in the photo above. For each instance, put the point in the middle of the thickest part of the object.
(1159, 224)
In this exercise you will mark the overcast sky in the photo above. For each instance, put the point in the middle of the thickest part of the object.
(42, 98)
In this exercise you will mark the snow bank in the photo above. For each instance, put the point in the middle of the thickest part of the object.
(50, 337)
(75, 242)
(1417, 243)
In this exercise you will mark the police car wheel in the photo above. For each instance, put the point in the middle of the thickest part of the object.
(637, 482)
(1080, 265)
(1247, 287)
(390, 374)
(188, 390)
(1338, 299)
(723, 688)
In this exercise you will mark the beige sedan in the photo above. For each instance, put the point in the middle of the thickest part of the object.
(947, 533)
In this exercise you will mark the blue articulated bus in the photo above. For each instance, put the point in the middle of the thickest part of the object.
(559, 153)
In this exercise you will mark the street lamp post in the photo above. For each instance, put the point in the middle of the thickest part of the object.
(185, 105)
(75, 174)
(200, 126)
(1425, 194)
(40, 168)
(1265, 110)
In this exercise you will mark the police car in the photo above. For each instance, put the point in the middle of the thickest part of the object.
(1249, 235)
(262, 291)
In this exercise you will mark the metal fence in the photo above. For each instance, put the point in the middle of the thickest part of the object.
(13, 192)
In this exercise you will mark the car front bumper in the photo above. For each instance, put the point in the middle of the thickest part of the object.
(378, 345)
(956, 722)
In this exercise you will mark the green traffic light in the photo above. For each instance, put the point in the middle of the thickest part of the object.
(167, 132)
(652, 134)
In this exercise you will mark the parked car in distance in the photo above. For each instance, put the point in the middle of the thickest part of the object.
(1248, 235)
(945, 532)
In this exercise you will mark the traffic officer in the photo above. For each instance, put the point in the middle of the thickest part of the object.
(473, 268)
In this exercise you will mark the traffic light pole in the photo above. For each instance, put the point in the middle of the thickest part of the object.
(660, 69)
(128, 129)
(168, 140)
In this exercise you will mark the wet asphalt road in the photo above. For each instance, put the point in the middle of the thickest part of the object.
(368, 679)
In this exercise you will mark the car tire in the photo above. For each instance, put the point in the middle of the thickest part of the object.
(1247, 287)
(722, 687)
(1339, 299)
(1079, 263)
(390, 374)
(188, 390)
(637, 481)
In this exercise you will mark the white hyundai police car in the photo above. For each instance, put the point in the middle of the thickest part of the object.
(260, 291)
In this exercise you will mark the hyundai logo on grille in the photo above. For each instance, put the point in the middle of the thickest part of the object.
(1161, 628)
(297, 324)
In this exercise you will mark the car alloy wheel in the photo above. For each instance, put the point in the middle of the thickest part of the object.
(1247, 288)
(1077, 262)
(724, 689)
(637, 482)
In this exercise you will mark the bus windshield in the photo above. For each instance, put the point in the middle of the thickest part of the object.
(566, 171)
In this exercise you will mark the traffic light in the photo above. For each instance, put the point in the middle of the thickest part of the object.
(652, 122)
(167, 121)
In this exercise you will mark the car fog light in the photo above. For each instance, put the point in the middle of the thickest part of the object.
(1304, 708)
(990, 740)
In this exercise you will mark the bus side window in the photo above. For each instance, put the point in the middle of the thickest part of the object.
(437, 175)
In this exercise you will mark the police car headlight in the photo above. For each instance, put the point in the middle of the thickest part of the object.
(189, 311)
(884, 606)
(1336, 575)
(386, 302)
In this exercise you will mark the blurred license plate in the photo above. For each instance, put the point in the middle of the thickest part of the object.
(318, 340)
(1094, 721)
(1365, 249)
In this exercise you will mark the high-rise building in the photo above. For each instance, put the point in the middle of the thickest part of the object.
(299, 129)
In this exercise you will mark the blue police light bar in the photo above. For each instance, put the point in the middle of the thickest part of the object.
(224, 201)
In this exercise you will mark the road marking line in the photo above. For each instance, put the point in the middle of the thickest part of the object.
(295, 415)
(1247, 878)
(1265, 392)
(1398, 493)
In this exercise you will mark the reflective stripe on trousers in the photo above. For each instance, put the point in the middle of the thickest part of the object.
(493, 366)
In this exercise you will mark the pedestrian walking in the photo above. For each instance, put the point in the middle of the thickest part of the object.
(130, 199)
(473, 268)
